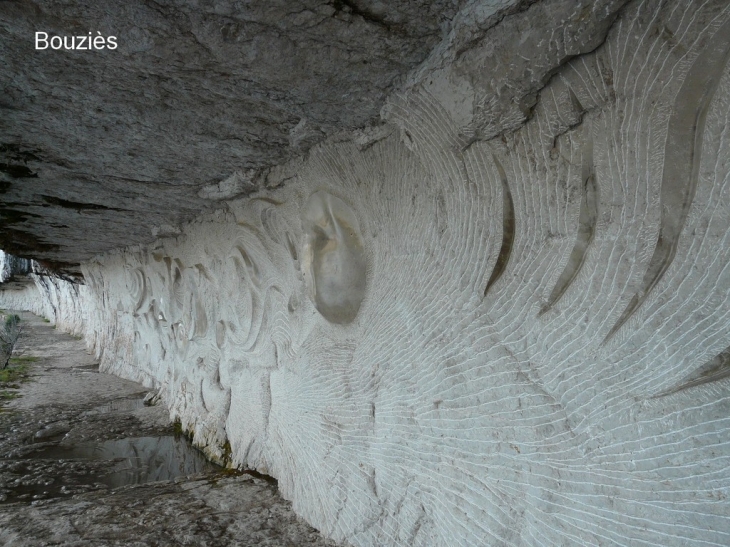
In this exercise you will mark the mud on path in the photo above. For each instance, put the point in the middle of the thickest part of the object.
(83, 462)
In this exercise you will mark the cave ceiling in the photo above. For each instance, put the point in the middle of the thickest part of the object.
(108, 148)
(201, 102)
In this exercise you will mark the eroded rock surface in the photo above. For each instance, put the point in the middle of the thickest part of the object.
(11, 266)
(199, 99)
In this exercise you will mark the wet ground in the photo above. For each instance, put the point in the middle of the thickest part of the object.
(84, 462)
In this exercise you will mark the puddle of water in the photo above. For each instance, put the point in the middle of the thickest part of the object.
(87, 368)
(57, 471)
(137, 460)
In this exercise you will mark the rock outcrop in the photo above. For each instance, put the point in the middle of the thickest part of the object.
(199, 101)
(127, 143)
(499, 317)
(11, 266)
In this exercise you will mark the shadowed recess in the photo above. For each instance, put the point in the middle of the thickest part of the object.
(715, 370)
(508, 229)
(17, 171)
(586, 224)
(333, 258)
(683, 152)
(77, 205)
(14, 162)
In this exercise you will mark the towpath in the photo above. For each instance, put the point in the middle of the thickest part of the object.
(83, 462)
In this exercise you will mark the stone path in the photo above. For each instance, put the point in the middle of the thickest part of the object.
(51, 497)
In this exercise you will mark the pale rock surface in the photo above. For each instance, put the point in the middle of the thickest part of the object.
(432, 339)
(25, 298)
(63, 302)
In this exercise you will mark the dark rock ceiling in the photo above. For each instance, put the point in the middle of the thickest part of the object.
(105, 149)
(101, 149)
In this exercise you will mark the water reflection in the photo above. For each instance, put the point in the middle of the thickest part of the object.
(62, 470)
(137, 460)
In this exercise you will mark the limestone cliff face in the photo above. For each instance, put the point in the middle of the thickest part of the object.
(25, 285)
(11, 266)
(432, 337)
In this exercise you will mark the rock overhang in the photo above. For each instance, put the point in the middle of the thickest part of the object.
(537, 350)
(123, 143)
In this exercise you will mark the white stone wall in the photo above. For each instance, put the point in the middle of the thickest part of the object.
(27, 299)
(62, 302)
(430, 340)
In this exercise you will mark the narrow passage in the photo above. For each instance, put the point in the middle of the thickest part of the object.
(84, 462)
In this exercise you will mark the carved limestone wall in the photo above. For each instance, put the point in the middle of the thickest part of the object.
(62, 302)
(433, 340)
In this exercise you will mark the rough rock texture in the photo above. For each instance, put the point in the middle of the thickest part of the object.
(200, 99)
(11, 266)
(489, 70)
(125, 144)
(226, 512)
(434, 339)
(64, 303)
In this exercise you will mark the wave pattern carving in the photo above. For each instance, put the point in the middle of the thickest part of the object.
(345, 344)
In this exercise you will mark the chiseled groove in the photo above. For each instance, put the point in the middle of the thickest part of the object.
(508, 229)
(713, 371)
(682, 155)
(586, 224)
